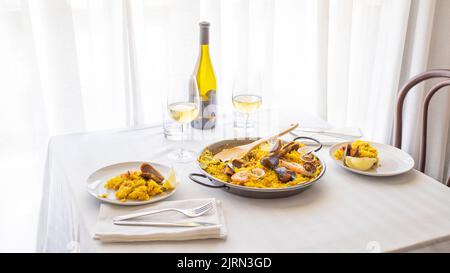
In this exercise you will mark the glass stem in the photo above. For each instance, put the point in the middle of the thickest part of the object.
(246, 123)
(183, 129)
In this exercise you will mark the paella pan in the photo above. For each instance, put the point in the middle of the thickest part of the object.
(271, 170)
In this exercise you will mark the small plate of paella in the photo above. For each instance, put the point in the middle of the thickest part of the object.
(371, 158)
(132, 183)
(270, 170)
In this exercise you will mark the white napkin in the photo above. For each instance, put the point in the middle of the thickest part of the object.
(331, 135)
(106, 231)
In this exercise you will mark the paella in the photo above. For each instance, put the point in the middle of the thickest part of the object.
(359, 155)
(138, 185)
(277, 165)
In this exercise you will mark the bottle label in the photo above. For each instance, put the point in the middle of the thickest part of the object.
(207, 113)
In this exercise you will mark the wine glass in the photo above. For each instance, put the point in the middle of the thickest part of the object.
(247, 96)
(183, 107)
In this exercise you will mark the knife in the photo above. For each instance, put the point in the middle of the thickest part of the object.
(163, 224)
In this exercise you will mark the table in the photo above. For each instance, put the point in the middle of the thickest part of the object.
(344, 212)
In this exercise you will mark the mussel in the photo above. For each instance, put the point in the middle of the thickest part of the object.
(277, 146)
(284, 175)
(270, 161)
(287, 148)
(238, 163)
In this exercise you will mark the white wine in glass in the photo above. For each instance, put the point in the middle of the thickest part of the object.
(183, 107)
(247, 103)
(247, 96)
(183, 112)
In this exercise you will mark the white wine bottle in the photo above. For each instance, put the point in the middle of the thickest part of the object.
(206, 82)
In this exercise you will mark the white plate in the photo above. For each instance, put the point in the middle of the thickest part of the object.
(392, 161)
(98, 178)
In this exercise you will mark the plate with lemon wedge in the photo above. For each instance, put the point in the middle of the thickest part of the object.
(132, 183)
(371, 158)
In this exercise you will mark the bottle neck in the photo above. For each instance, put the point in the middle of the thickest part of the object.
(204, 50)
(204, 35)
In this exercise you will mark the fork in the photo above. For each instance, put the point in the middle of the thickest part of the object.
(193, 212)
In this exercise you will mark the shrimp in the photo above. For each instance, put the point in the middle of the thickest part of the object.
(306, 169)
(295, 167)
(240, 177)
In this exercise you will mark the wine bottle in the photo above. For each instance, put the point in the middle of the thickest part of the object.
(206, 83)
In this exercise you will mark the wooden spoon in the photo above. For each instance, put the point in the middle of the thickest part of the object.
(241, 151)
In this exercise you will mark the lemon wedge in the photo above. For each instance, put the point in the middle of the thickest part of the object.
(360, 163)
(169, 183)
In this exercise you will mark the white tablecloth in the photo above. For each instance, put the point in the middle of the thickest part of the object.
(343, 212)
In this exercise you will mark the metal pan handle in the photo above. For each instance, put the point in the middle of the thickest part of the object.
(192, 175)
(313, 139)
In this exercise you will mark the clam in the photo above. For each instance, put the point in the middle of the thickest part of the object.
(308, 169)
(258, 172)
(308, 157)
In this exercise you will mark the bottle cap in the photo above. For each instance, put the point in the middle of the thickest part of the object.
(204, 32)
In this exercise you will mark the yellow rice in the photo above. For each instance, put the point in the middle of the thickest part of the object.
(270, 179)
(364, 148)
(131, 185)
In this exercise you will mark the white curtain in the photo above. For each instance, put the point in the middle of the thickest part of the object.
(80, 65)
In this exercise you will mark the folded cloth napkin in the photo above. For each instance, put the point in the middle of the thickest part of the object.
(106, 231)
(329, 136)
